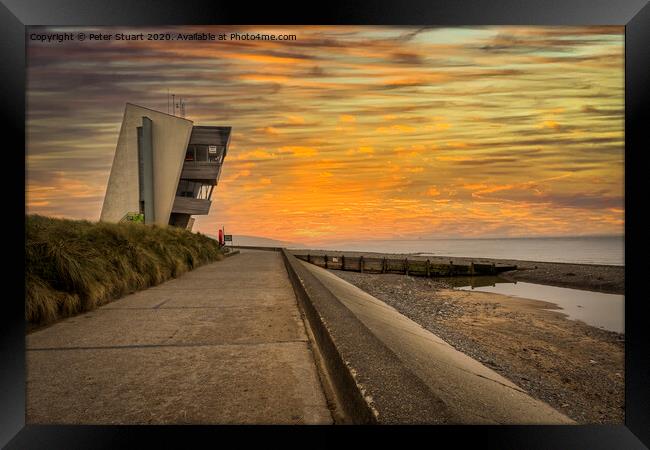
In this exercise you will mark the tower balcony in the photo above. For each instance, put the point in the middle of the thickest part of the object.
(195, 170)
(190, 205)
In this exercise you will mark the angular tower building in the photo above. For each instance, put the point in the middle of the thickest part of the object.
(165, 168)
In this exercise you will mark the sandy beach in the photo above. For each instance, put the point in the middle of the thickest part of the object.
(576, 368)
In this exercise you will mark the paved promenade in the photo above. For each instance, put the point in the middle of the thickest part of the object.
(222, 344)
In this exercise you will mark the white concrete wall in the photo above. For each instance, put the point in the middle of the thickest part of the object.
(170, 137)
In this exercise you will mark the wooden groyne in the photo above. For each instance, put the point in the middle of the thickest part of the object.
(403, 266)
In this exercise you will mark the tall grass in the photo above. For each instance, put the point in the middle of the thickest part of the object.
(72, 266)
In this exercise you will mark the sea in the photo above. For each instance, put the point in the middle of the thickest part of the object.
(606, 250)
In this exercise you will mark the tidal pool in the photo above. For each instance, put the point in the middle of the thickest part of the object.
(600, 310)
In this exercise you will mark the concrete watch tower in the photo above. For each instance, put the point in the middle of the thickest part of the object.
(164, 168)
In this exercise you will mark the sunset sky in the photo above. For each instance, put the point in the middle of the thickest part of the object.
(354, 132)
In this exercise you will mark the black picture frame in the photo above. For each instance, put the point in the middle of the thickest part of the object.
(15, 15)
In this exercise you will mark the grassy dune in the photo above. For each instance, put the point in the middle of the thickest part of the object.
(72, 266)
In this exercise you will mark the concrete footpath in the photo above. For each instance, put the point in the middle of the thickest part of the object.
(222, 344)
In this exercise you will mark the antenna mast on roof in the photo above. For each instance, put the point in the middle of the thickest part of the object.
(173, 106)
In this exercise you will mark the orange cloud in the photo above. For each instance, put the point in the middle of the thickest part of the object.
(269, 130)
(411, 151)
(254, 154)
(396, 129)
(550, 124)
(263, 78)
(453, 158)
(482, 189)
(298, 151)
(296, 120)
(262, 58)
